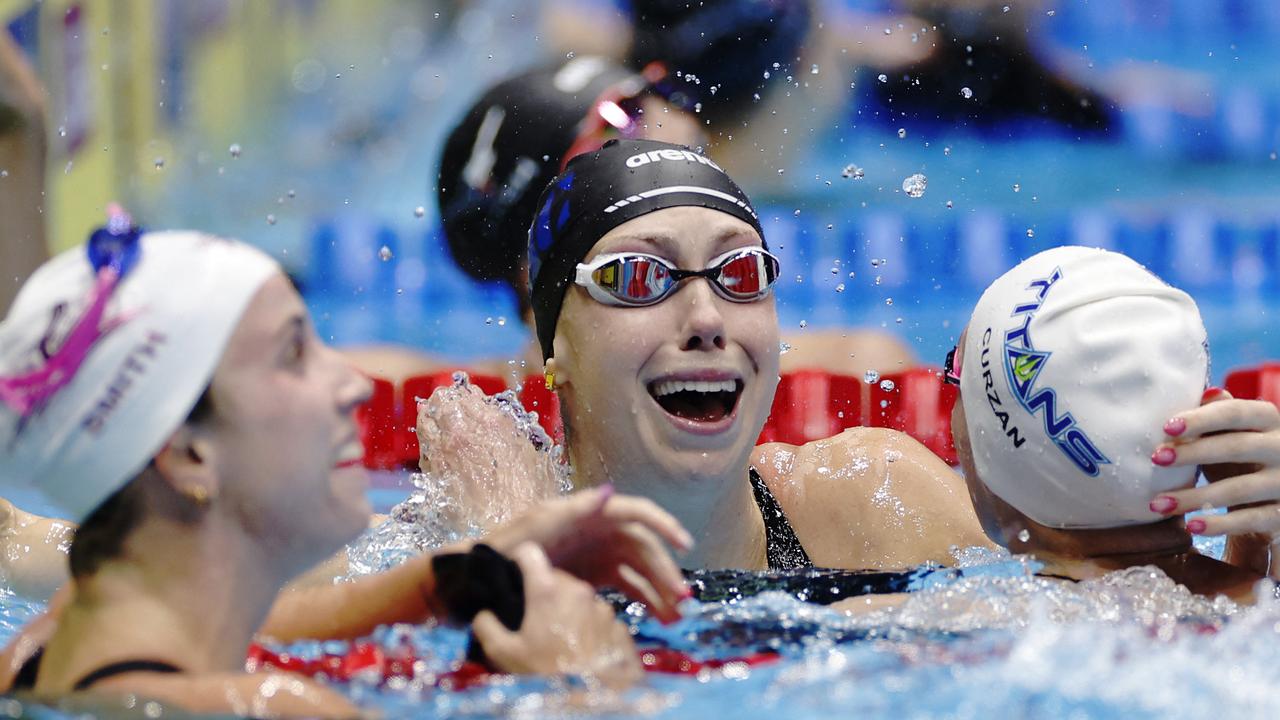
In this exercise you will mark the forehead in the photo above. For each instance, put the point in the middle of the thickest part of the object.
(270, 313)
(674, 232)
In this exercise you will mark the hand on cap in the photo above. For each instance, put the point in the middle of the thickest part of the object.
(608, 540)
(566, 630)
(1237, 445)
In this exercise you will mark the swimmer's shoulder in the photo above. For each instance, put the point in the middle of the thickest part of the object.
(265, 694)
(870, 498)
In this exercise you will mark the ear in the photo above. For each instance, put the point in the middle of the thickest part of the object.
(557, 370)
(188, 463)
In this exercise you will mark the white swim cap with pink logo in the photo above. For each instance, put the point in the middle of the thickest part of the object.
(102, 360)
(1072, 363)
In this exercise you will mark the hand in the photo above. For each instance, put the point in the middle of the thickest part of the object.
(488, 465)
(1237, 445)
(608, 540)
(566, 630)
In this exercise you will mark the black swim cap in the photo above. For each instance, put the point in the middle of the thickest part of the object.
(720, 50)
(599, 191)
(501, 155)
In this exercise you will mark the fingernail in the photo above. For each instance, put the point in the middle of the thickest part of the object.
(1175, 427)
(1210, 393)
(1163, 505)
(1164, 456)
(607, 490)
(1195, 527)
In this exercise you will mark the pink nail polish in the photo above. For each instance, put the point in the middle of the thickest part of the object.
(1164, 456)
(1209, 394)
(1195, 527)
(1163, 505)
(1175, 427)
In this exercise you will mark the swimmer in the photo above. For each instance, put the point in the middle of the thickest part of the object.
(1091, 347)
(651, 291)
(209, 453)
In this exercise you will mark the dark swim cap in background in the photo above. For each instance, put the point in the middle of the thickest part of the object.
(503, 152)
(727, 46)
(599, 191)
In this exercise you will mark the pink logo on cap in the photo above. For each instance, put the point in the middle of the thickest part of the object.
(27, 393)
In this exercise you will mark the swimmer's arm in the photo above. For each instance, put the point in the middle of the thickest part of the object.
(32, 562)
(354, 609)
(867, 604)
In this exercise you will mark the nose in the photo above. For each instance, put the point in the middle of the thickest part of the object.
(703, 323)
(354, 387)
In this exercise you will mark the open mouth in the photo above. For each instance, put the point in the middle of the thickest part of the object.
(699, 401)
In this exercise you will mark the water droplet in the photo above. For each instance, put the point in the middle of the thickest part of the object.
(234, 150)
(887, 31)
(1017, 187)
(888, 301)
(1031, 233)
(502, 321)
(1024, 535)
(385, 253)
(887, 385)
(1051, 13)
(62, 131)
(871, 377)
(902, 133)
(884, 404)
(813, 70)
(1006, 8)
(840, 288)
(797, 212)
(292, 193)
(783, 348)
(966, 93)
(4, 173)
(950, 205)
(852, 171)
(875, 262)
(883, 78)
(569, 55)
(271, 219)
(488, 321)
(781, 171)
(159, 163)
(914, 185)
(804, 324)
(946, 151)
(419, 211)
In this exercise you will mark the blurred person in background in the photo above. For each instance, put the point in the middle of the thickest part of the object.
(22, 158)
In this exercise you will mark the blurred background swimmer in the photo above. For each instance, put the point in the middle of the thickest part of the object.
(209, 452)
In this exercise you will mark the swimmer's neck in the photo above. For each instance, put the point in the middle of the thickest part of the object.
(719, 512)
(191, 595)
(1086, 553)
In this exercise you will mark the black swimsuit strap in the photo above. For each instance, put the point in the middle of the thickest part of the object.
(123, 667)
(782, 547)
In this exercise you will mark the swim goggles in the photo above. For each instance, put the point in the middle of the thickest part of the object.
(617, 112)
(951, 369)
(635, 279)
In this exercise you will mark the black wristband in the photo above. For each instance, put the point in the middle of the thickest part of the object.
(482, 579)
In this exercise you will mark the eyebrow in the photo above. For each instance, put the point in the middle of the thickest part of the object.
(295, 324)
(665, 242)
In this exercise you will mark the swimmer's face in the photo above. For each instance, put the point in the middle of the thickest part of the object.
(283, 438)
(679, 389)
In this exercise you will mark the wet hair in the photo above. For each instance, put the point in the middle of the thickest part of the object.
(101, 536)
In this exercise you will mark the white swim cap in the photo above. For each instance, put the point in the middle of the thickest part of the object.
(96, 375)
(1073, 362)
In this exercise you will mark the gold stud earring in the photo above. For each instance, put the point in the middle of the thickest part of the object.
(550, 378)
(197, 494)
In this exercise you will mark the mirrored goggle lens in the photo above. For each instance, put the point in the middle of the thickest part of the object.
(637, 280)
(748, 275)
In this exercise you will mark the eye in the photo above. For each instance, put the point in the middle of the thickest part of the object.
(295, 353)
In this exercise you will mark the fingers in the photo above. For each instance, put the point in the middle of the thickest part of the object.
(1265, 519)
(1230, 447)
(1240, 490)
(1221, 414)
(635, 586)
(500, 644)
(647, 513)
(651, 561)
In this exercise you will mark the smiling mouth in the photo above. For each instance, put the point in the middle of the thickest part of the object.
(699, 401)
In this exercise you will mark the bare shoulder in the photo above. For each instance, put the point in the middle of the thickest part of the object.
(870, 498)
(257, 695)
